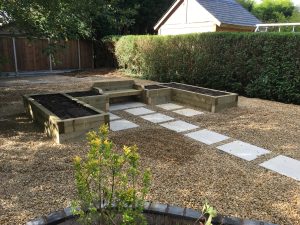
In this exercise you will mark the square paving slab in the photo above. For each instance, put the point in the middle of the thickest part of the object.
(207, 137)
(188, 112)
(113, 117)
(157, 118)
(169, 106)
(243, 150)
(179, 126)
(126, 105)
(284, 165)
(118, 125)
(139, 111)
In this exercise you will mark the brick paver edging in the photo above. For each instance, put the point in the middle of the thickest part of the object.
(151, 208)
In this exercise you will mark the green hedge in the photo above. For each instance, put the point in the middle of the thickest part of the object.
(264, 65)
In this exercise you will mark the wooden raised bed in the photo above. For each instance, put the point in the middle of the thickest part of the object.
(207, 99)
(63, 117)
(98, 100)
(156, 94)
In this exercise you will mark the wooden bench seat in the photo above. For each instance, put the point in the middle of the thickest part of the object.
(123, 93)
(118, 88)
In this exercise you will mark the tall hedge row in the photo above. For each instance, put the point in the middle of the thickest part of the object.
(264, 65)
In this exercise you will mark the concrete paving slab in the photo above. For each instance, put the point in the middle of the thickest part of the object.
(243, 150)
(113, 117)
(127, 105)
(118, 125)
(207, 137)
(157, 118)
(169, 106)
(179, 126)
(188, 112)
(284, 165)
(139, 111)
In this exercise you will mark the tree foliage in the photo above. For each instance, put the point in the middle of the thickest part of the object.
(65, 19)
(274, 10)
(247, 4)
(71, 19)
(271, 10)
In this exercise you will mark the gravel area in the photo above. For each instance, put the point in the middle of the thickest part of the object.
(36, 175)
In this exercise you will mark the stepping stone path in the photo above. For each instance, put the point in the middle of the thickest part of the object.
(243, 150)
(113, 117)
(157, 118)
(128, 105)
(139, 111)
(284, 165)
(188, 112)
(179, 126)
(207, 137)
(169, 106)
(118, 125)
(280, 164)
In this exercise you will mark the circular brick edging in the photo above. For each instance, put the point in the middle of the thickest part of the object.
(152, 208)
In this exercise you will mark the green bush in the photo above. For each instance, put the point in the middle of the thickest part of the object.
(264, 65)
(111, 187)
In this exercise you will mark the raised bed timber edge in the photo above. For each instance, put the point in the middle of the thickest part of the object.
(64, 129)
(155, 213)
(207, 99)
(97, 100)
(156, 94)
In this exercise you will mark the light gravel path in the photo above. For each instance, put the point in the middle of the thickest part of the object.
(36, 175)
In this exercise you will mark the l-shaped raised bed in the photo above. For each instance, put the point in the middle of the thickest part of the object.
(207, 99)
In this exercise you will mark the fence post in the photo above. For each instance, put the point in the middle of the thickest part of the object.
(79, 54)
(50, 57)
(93, 55)
(15, 56)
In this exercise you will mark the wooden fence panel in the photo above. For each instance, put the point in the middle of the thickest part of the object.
(7, 63)
(31, 54)
(67, 57)
(86, 54)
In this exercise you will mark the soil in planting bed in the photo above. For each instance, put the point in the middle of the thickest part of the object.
(195, 89)
(83, 94)
(63, 107)
(153, 87)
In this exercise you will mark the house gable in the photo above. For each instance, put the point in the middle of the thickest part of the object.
(178, 16)
(188, 16)
(194, 16)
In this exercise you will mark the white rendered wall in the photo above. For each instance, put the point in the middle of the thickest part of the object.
(187, 28)
(190, 17)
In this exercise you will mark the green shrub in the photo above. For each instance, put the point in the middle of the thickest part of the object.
(264, 65)
(110, 186)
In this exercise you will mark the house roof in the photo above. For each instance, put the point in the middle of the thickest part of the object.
(229, 12)
(224, 11)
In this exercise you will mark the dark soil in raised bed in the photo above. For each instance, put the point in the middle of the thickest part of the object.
(152, 87)
(195, 89)
(83, 94)
(63, 107)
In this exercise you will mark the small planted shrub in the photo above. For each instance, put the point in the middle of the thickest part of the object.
(209, 212)
(111, 188)
(264, 65)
